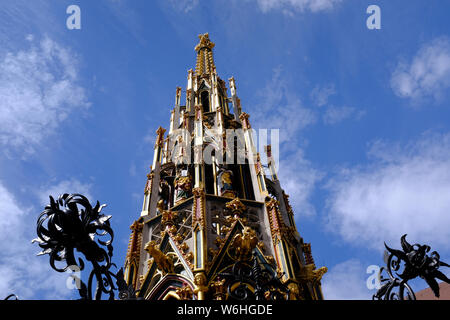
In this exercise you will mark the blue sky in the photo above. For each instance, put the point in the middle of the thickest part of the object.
(363, 115)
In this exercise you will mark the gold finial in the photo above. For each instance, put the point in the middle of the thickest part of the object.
(160, 136)
(204, 42)
(205, 59)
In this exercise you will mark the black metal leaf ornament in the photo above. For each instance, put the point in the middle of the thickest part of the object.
(416, 262)
(71, 225)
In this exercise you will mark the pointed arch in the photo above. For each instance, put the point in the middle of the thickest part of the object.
(167, 287)
(205, 100)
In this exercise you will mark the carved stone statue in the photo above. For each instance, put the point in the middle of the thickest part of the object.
(183, 188)
(226, 184)
(160, 207)
(164, 192)
(200, 285)
(245, 243)
(163, 262)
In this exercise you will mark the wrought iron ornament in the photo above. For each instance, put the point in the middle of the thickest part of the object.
(70, 224)
(416, 263)
(249, 273)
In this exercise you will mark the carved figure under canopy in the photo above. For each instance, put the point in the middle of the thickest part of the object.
(183, 188)
(245, 243)
(163, 262)
(226, 184)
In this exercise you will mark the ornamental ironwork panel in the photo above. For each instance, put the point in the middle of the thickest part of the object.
(71, 225)
(246, 274)
(414, 262)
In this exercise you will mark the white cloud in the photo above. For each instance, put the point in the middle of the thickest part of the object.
(404, 190)
(299, 178)
(333, 115)
(297, 5)
(65, 186)
(22, 273)
(11, 214)
(132, 169)
(280, 108)
(38, 90)
(150, 137)
(320, 95)
(346, 281)
(297, 175)
(184, 5)
(286, 6)
(428, 75)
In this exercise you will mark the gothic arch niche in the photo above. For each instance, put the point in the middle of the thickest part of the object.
(171, 295)
(172, 287)
(205, 100)
(209, 155)
(247, 178)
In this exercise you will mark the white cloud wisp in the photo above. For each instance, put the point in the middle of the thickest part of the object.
(297, 5)
(406, 190)
(38, 90)
(428, 74)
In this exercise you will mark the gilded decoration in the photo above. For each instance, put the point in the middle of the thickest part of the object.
(199, 207)
(295, 292)
(178, 238)
(160, 207)
(277, 224)
(306, 247)
(274, 217)
(244, 243)
(189, 257)
(219, 289)
(261, 245)
(224, 229)
(183, 188)
(201, 285)
(205, 62)
(270, 259)
(163, 262)
(226, 184)
(204, 42)
(148, 184)
(236, 207)
(244, 120)
(309, 273)
(160, 137)
(219, 241)
(168, 218)
(184, 247)
(172, 229)
(185, 293)
(258, 166)
(135, 241)
(288, 205)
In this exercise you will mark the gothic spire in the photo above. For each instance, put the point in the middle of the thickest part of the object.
(205, 60)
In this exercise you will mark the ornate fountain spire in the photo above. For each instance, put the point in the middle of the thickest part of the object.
(205, 59)
(213, 226)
